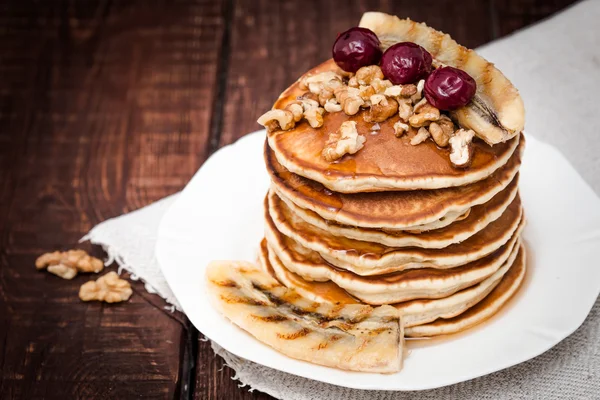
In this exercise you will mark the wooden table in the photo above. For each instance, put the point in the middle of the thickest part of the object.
(107, 106)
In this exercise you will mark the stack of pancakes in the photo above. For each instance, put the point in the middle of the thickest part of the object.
(394, 223)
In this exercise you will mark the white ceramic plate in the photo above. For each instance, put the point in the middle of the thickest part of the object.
(219, 215)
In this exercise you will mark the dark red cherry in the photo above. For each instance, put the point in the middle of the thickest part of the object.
(356, 48)
(406, 62)
(448, 88)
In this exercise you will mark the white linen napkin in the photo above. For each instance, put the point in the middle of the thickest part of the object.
(556, 66)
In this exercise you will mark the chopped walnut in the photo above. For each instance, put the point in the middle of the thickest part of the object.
(109, 288)
(63, 271)
(47, 259)
(424, 114)
(352, 82)
(67, 264)
(345, 141)
(332, 106)
(308, 96)
(405, 109)
(350, 99)
(328, 90)
(308, 104)
(365, 75)
(376, 99)
(401, 90)
(399, 128)
(296, 109)
(442, 130)
(380, 86)
(421, 136)
(315, 83)
(277, 119)
(419, 91)
(460, 144)
(314, 116)
(365, 92)
(382, 108)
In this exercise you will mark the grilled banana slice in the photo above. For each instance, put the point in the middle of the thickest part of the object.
(496, 113)
(346, 336)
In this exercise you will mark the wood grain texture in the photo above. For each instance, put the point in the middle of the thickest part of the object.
(511, 15)
(108, 105)
(105, 107)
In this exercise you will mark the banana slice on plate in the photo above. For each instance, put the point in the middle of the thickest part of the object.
(346, 336)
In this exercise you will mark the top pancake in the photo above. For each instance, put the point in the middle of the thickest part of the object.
(399, 210)
(385, 162)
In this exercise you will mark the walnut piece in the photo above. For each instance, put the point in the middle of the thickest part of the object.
(460, 144)
(382, 108)
(67, 264)
(328, 90)
(350, 99)
(421, 136)
(380, 86)
(315, 83)
(424, 113)
(345, 141)
(419, 93)
(308, 104)
(308, 96)
(109, 288)
(47, 259)
(442, 130)
(314, 116)
(405, 109)
(332, 106)
(399, 128)
(296, 109)
(365, 75)
(277, 119)
(365, 92)
(63, 271)
(401, 90)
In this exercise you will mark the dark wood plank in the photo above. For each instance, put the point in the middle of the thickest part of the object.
(272, 43)
(510, 15)
(104, 107)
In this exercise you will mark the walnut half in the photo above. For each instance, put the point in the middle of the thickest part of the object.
(424, 114)
(277, 119)
(67, 264)
(442, 130)
(382, 108)
(109, 288)
(421, 136)
(349, 98)
(345, 141)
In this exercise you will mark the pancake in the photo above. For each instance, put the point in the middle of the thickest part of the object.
(481, 311)
(358, 256)
(478, 218)
(389, 210)
(385, 162)
(325, 292)
(416, 312)
(389, 288)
